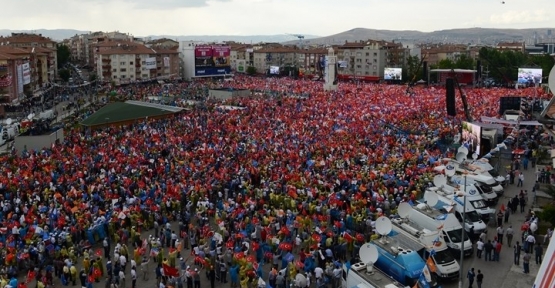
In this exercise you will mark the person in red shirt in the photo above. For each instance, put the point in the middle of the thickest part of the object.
(498, 246)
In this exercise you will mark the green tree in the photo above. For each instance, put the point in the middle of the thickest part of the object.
(446, 64)
(464, 62)
(92, 77)
(548, 214)
(413, 69)
(63, 53)
(251, 70)
(64, 74)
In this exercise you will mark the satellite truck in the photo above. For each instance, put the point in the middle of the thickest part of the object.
(432, 243)
(398, 261)
(364, 275)
(432, 219)
(9, 129)
(473, 197)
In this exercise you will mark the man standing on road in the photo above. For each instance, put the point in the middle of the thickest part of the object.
(539, 253)
(507, 214)
(470, 275)
(479, 248)
(499, 218)
(500, 234)
(479, 279)
(526, 262)
(488, 247)
(520, 180)
(497, 248)
(509, 232)
(517, 253)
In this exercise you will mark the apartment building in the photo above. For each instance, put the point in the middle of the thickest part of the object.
(124, 62)
(514, 46)
(32, 71)
(434, 53)
(10, 80)
(265, 57)
(362, 59)
(81, 46)
(40, 48)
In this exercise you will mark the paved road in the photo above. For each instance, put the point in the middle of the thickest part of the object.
(504, 273)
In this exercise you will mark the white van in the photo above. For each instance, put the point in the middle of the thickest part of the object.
(433, 245)
(474, 199)
(431, 219)
(483, 189)
(473, 219)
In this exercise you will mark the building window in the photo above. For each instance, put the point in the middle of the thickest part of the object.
(115, 77)
(359, 66)
(114, 56)
(121, 63)
(375, 54)
(359, 53)
(122, 76)
(114, 70)
(375, 60)
(143, 62)
(375, 67)
(145, 76)
(130, 62)
(122, 70)
(367, 54)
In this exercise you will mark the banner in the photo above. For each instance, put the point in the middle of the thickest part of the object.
(166, 61)
(211, 71)
(241, 66)
(150, 63)
(203, 56)
(220, 55)
(19, 79)
(26, 73)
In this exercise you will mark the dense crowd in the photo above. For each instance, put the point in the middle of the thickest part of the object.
(288, 181)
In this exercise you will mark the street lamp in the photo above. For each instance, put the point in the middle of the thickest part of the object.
(450, 171)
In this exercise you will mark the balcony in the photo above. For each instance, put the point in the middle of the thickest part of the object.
(106, 60)
(106, 66)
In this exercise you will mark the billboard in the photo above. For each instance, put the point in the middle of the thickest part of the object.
(212, 71)
(393, 73)
(166, 61)
(150, 63)
(274, 70)
(471, 137)
(529, 75)
(19, 79)
(220, 55)
(203, 56)
(241, 66)
(26, 73)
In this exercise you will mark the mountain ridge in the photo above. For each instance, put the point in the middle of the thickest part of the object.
(475, 35)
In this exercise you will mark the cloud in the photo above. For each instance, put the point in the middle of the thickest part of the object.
(520, 17)
(170, 4)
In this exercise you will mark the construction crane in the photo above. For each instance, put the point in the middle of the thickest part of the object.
(301, 39)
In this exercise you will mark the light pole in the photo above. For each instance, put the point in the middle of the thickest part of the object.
(450, 171)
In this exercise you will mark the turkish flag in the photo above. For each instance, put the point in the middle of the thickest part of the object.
(170, 271)
(99, 252)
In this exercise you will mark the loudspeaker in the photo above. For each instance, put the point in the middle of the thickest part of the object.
(450, 96)
(425, 71)
(479, 69)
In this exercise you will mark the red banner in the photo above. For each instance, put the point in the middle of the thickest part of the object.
(203, 51)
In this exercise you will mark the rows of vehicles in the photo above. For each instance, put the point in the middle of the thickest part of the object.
(419, 246)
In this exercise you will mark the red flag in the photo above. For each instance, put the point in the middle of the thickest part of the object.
(170, 271)
(99, 252)
(30, 276)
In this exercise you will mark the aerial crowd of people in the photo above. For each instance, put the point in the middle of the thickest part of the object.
(292, 182)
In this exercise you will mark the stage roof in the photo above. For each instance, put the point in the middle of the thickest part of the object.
(453, 71)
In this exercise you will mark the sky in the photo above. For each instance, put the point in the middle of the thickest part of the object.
(270, 17)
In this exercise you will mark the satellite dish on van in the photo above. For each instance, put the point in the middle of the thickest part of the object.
(440, 180)
(30, 116)
(383, 225)
(434, 189)
(462, 154)
(551, 80)
(9, 121)
(431, 198)
(404, 209)
(368, 253)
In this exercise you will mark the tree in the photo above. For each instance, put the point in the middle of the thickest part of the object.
(63, 54)
(64, 74)
(464, 62)
(413, 69)
(92, 77)
(251, 70)
(446, 64)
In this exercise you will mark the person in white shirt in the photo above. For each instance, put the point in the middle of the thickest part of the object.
(122, 261)
(121, 276)
(133, 277)
(479, 248)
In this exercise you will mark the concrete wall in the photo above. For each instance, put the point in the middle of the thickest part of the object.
(228, 94)
(38, 142)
